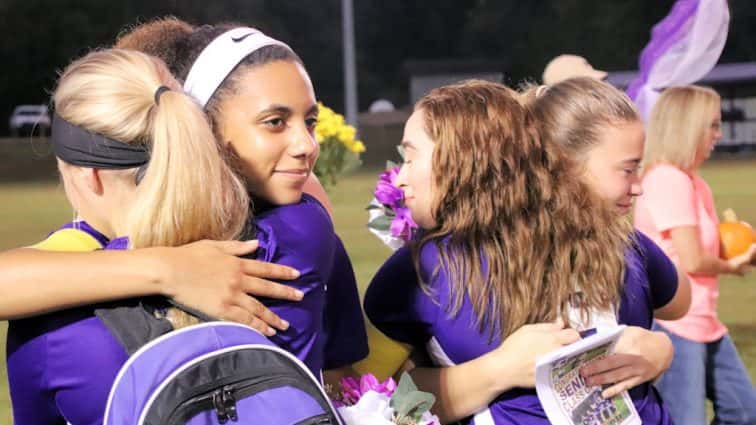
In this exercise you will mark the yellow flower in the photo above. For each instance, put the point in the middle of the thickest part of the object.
(334, 136)
(347, 144)
(358, 147)
(346, 133)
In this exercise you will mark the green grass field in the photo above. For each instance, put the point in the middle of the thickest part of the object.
(29, 211)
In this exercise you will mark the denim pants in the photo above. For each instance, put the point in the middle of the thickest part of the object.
(711, 370)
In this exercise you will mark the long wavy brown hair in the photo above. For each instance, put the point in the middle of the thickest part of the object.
(517, 229)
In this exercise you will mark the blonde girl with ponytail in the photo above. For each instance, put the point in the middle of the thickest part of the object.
(141, 168)
(260, 102)
(185, 191)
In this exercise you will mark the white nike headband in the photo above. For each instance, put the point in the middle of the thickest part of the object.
(220, 57)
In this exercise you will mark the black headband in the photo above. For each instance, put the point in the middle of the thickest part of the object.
(78, 146)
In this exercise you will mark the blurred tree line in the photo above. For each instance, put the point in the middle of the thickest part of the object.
(39, 37)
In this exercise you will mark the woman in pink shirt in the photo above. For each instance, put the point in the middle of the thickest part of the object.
(677, 211)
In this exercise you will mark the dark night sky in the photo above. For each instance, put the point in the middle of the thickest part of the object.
(39, 37)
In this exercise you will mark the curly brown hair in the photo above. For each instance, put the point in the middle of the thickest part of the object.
(518, 231)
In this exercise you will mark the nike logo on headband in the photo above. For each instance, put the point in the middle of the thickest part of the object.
(240, 39)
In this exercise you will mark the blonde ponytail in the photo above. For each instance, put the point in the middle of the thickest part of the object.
(187, 192)
(184, 195)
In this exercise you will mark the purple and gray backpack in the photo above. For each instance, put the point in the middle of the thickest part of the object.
(216, 373)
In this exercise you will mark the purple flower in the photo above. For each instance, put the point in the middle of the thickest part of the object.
(402, 225)
(391, 174)
(386, 191)
(369, 382)
(388, 194)
(352, 390)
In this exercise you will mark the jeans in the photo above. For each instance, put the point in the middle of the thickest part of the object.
(711, 370)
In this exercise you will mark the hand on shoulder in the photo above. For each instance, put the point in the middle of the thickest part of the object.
(210, 276)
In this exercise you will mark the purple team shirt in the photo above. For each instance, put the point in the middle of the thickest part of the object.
(398, 307)
(61, 365)
(326, 328)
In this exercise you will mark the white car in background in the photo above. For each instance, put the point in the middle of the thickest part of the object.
(29, 119)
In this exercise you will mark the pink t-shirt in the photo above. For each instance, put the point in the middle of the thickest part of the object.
(673, 198)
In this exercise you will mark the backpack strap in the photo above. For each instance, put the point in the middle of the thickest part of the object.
(134, 325)
(139, 321)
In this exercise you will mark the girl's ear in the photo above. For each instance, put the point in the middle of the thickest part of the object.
(92, 179)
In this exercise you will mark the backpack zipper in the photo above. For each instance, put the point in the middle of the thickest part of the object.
(224, 404)
(223, 400)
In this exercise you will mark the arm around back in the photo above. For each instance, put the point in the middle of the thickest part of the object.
(205, 275)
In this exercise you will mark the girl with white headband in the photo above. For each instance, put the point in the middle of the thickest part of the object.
(207, 276)
(262, 107)
(131, 149)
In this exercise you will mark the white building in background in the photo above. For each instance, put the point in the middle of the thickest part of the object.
(736, 83)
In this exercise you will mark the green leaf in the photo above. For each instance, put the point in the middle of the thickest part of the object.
(415, 404)
(409, 401)
(380, 223)
(374, 207)
(405, 384)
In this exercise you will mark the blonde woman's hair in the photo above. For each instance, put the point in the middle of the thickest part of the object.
(677, 124)
(507, 199)
(575, 111)
(188, 192)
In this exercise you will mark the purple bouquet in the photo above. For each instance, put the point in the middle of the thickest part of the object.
(352, 389)
(389, 219)
(368, 401)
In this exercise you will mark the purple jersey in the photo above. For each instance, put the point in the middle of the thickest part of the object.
(326, 328)
(61, 365)
(402, 310)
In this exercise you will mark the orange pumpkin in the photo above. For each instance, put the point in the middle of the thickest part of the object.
(736, 236)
